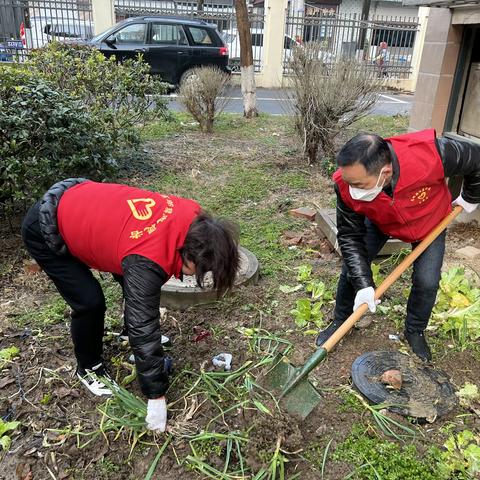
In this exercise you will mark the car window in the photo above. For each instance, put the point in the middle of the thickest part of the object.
(130, 34)
(163, 34)
(200, 36)
(69, 30)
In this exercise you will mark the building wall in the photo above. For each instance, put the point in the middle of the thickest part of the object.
(350, 7)
(393, 9)
(437, 69)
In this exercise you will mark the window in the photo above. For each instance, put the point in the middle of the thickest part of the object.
(164, 34)
(257, 39)
(394, 37)
(200, 36)
(130, 34)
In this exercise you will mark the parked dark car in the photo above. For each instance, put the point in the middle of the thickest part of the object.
(171, 46)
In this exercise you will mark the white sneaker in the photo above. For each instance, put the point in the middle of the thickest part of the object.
(92, 379)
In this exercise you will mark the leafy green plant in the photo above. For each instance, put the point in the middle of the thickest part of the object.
(319, 291)
(461, 460)
(46, 135)
(457, 310)
(6, 440)
(306, 311)
(8, 354)
(122, 96)
(309, 309)
(304, 273)
(377, 276)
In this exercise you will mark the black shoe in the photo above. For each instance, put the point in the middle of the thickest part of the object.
(324, 335)
(92, 379)
(418, 344)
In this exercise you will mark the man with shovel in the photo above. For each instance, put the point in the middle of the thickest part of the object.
(141, 237)
(396, 187)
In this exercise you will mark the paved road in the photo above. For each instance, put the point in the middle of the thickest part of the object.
(276, 102)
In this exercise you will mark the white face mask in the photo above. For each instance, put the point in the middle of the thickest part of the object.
(367, 195)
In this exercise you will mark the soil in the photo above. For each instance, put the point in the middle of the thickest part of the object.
(39, 388)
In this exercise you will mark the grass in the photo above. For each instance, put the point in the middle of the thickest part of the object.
(373, 458)
(383, 125)
(49, 314)
(253, 198)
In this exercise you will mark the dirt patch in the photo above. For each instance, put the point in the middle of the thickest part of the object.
(39, 388)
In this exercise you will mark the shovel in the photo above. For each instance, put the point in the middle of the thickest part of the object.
(291, 385)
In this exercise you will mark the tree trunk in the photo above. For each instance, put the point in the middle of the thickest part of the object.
(246, 60)
(200, 5)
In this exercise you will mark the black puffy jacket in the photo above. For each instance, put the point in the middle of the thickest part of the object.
(141, 282)
(458, 158)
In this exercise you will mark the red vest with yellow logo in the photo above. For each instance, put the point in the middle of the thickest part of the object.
(102, 223)
(421, 198)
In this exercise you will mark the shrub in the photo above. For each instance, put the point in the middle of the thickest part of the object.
(328, 97)
(203, 95)
(123, 96)
(46, 135)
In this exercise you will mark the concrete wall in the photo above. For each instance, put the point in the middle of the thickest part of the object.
(436, 71)
(393, 8)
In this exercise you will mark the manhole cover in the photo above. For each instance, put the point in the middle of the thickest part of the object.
(426, 393)
(179, 295)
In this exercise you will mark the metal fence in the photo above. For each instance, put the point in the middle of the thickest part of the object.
(384, 44)
(223, 16)
(29, 24)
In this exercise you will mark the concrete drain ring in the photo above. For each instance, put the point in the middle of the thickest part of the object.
(179, 295)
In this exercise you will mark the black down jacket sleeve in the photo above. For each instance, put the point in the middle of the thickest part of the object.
(351, 240)
(142, 283)
(462, 157)
(47, 216)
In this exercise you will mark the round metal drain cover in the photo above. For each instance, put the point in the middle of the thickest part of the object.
(179, 295)
(425, 394)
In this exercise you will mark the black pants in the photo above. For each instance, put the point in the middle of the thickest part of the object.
(425, 279)
(77, 286)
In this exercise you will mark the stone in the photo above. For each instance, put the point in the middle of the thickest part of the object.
(31, 267)
(392, 378)
(364, 322)
(303, 212)
(469, 252)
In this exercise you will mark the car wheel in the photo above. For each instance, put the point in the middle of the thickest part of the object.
(187, 77)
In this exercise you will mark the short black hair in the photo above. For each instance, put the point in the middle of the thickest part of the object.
(212, 245)
(368, 149)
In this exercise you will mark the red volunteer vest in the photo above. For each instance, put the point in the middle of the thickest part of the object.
(102, 223)
(421, 198)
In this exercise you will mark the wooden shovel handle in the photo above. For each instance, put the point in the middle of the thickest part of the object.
(391, 279)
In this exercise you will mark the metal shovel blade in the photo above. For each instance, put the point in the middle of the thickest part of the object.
(300, 399)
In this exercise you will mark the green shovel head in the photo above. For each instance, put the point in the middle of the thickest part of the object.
(302, 399)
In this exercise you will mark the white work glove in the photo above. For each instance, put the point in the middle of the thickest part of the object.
(468, 207)
(157, 414)
(366, 295)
